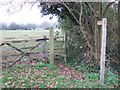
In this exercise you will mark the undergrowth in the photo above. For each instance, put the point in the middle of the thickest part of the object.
(44, 75)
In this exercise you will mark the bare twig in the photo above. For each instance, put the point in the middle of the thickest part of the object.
(3, 4)
(33, 4)
(91, 8)
(20, 8)
(75, 11)
(17, 9)
(80, 17)
(108, 7)
(71, 12)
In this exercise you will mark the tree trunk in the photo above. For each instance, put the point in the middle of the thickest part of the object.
(97, 37)
(96, 40)
(118, 35)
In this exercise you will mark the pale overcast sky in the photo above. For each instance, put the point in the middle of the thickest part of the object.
(26, 15)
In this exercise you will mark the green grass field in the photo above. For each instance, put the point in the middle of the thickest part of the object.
(9, 35)
(22, 34)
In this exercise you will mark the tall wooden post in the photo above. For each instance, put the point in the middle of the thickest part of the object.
(45, 48)
(0, 70)
(51, 46)
(103, 51)
(118, 37)
(65, 46)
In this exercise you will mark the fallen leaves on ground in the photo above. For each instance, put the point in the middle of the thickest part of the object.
(25, 74)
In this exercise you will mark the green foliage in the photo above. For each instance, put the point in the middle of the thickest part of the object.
(27, 84)
(61, 82)
(20, 66)
(60, 10)
(51, 74)
(66, 24)
(34, 83)
(75, 46)
(37, 76)
(16, 82)
(92, 76)
(59, 79)
(39, 65)
(86, 68)
(111, 78)
(82, 67)
(5, 79)
(42, 85)
(51, 66)
(90, 84)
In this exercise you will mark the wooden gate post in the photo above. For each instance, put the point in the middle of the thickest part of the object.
(1, 70)
(51, 48)
(65, 47)
(45, 47)
(103, 51)
(1, 60)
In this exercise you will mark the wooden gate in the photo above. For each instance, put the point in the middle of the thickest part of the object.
(14, 51)
(17, 50)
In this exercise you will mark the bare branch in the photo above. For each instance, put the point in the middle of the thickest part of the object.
(108, 7)
(80, 17)
(12, 9)
(75, 11)
(91, 8)
(9, 11)
(3, 4)
(33, 4)
(71, 12)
